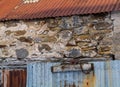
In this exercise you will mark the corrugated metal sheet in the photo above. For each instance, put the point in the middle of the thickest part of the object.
(106, 74)
(54, 8)
(14, 78)
(40, 75)
(6, 6)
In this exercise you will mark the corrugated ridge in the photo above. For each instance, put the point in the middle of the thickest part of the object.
(54, 8)
(107, 74)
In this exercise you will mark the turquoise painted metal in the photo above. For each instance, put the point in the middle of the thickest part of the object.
(105, 74)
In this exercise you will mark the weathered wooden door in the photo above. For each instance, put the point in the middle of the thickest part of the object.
(14, 78)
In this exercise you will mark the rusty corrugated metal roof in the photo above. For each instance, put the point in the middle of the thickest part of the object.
(6, 6)
(16, 9)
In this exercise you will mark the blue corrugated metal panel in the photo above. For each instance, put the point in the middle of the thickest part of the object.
(40, 75)
(107, 74)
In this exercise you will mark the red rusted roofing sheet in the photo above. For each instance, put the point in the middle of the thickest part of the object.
(16, 9)
(6, 7)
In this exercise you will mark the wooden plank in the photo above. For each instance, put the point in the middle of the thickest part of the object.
(65, 68)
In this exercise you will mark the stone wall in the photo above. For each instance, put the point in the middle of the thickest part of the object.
(116, 39)
(62, 37)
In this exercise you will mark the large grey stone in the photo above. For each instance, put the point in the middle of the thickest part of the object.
(77, 21)
(21, 53)
(66, 23)
(74, 53)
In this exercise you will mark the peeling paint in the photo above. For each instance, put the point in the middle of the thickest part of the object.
(89, 81)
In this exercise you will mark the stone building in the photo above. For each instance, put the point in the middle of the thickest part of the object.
(41, 29)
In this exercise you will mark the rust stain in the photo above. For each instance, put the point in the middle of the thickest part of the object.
(73, 85)
(14, 78)
(89, 81)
